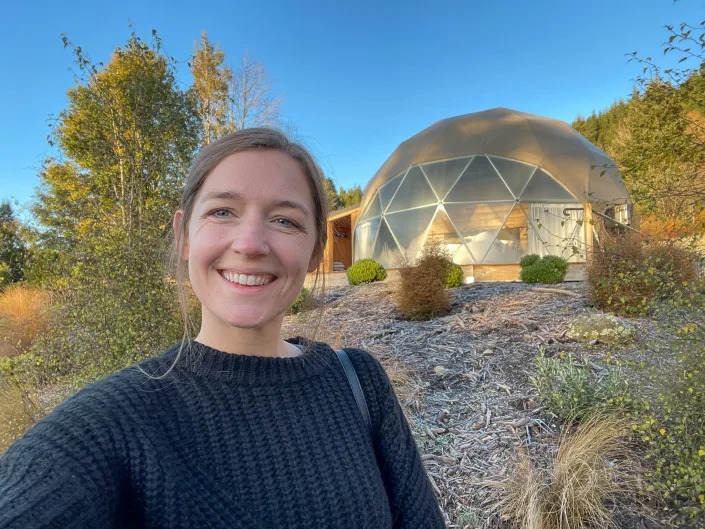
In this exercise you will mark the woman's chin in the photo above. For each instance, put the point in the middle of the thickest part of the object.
(250, 321)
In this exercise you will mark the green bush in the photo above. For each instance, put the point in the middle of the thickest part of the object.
(455, 276)
(572, 391)
(529, 260)
(302, 301)
(366, 271)
(547, 269)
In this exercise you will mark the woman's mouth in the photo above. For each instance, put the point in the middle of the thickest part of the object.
(247, 279)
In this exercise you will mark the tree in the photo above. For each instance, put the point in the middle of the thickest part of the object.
(349, 197)
(332, 192)
(211, 84)
(659, 156)
(253, 100)
(678, 95)
(126, 138)
(13, 251)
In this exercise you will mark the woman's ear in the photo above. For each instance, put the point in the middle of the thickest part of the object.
(177, 234)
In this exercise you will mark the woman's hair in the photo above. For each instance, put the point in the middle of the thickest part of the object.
(210, 156)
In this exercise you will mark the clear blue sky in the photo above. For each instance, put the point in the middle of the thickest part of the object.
(358, 77)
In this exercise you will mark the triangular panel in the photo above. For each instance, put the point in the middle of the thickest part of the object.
(442, 230)
(463, 257)
(373, 209)
(537, 232)
(479, 183)
(413, 192)
(365, 233)
(409, 227)
(478, 224)
(386, 250)
(443, 175)
(386, 192)
(543, 188)
(515, 174)
(511, 240)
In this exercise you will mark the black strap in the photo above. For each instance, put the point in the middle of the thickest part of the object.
(355, 385)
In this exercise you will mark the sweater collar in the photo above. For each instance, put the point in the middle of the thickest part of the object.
(249, 370)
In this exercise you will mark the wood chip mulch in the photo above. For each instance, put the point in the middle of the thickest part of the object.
(464, 379)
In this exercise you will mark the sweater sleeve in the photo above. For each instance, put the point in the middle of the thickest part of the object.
(411, 497)
(64, 471)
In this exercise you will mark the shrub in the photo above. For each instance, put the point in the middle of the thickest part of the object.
(529, 260)
(625, 274)
(573, 391)
(366, 271)
(422, 294)
(19, 410)
(547, 269)
(672, 421)
(455, 277)
(591, 468)
(24, 313)
(302, 301)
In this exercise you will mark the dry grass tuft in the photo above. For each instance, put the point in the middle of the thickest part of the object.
(591, 467)
(24, 313)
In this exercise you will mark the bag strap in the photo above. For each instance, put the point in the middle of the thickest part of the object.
(355, 385)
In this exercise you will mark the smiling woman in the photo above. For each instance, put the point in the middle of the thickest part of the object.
(239, 427)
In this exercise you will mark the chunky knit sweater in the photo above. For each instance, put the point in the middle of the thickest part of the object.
(224, 441)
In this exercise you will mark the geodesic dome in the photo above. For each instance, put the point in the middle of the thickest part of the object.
(492, 186)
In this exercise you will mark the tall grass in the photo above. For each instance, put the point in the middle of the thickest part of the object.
(24, 314)
(591, 467)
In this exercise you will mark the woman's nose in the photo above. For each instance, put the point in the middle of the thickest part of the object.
(250, 238)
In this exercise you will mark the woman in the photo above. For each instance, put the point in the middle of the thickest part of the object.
(237, 428)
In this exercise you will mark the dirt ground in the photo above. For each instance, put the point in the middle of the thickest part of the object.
(463, 379)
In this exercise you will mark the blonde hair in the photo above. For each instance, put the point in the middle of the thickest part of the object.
(210, 156)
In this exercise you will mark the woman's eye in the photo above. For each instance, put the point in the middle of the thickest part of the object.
(285, 222)
(220, 213)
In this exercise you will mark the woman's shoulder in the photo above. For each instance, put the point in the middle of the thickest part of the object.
(370, 371)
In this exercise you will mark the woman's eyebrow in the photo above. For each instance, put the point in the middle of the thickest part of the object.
(228, 195)
(234, 195)
(290, 204)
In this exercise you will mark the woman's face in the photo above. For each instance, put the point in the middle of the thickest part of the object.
(250, 238)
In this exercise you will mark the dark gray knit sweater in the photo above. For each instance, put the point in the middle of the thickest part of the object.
(224, 441)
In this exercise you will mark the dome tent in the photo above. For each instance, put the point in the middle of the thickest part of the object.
(492, 186)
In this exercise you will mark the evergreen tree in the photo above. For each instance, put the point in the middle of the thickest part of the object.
(332, 192)
(349, 197)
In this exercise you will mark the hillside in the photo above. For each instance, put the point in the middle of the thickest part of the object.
(463, 379)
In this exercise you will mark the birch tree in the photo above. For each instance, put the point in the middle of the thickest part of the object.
(253, 100)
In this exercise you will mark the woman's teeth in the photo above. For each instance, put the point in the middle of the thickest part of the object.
(244, 279)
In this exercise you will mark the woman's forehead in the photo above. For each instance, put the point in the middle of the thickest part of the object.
(257, 173)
